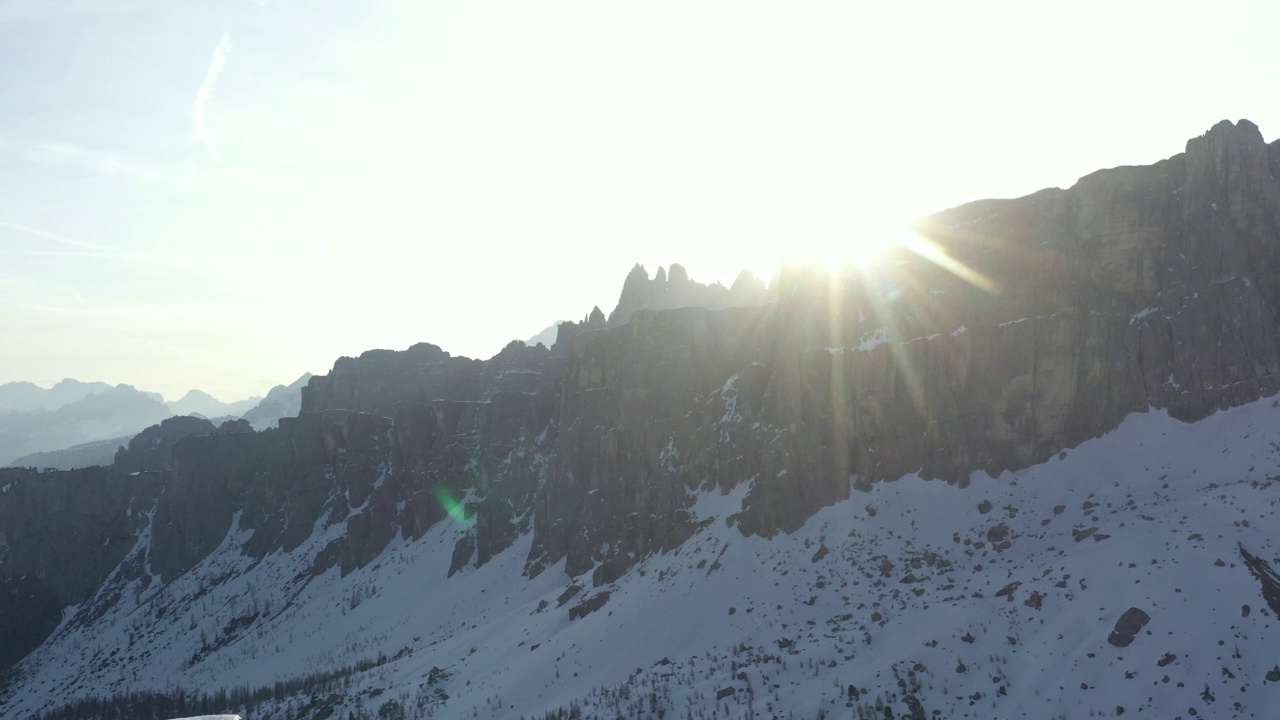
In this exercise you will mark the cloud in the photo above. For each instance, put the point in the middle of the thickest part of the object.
(63, 239)
(198, 129)
(99, 162)
(83, 247)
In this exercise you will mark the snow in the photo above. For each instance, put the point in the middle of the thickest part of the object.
(730, 395)
(877, 338)
(911, 574)
(1142, 314)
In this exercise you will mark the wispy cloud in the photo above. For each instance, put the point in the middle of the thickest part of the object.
(96, 161)
(85, 247)
(64, 240)
(198, 128)
(59, 253)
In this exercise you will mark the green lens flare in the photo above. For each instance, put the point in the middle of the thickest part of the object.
(451, 506)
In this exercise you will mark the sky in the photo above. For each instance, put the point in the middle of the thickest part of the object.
(226, 194)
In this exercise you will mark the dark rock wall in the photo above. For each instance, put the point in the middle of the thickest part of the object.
(61, 535)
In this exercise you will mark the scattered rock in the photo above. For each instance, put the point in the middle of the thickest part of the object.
(1128, 626)
(588, 606)
(1082, 534)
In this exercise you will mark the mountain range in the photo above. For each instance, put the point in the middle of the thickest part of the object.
(28, 397)
(79, 424)
(1024, 467)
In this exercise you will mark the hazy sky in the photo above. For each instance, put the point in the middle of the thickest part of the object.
(227, 194)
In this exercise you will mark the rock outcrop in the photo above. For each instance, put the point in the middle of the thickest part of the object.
(1128, 626)
(152, 449)
(673, 288)
(379, 379)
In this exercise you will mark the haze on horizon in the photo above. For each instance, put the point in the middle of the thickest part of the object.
(224, 195)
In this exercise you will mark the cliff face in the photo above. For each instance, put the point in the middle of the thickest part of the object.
(1019, 328)
(62, 534)
(1015, 330)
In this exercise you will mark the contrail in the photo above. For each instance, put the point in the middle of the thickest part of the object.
(83, 244)
(59, 253)
(205, 93)
(97, 249)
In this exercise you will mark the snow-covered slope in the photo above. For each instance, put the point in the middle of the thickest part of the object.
(992, 601)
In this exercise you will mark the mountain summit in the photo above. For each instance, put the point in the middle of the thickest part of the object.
(1023, 468)
(199, 402)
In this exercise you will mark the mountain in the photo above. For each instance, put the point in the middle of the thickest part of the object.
(97, 452)
(152, 449)
(31, 427)
(1024, 468)
(105, 415)
(547, 336)
(28, 397)
(674, 289)
(198, 402)
(281, 401)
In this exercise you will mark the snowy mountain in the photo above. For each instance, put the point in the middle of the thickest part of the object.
(997, 600)
(1025, 470)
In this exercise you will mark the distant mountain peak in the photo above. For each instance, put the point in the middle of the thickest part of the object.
(673, 288)
(198, 402)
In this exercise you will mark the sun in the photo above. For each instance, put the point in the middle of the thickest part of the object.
(864, 246)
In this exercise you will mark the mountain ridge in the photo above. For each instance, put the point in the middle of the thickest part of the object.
(573, 471)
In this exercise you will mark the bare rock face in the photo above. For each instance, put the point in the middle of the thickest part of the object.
(152, 449)
(1265, 575)
(380, 379)
(61, 535)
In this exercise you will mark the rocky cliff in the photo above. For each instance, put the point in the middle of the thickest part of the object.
(1012, 330)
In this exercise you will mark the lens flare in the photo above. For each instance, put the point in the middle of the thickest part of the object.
(452, 507)
(938, 255)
